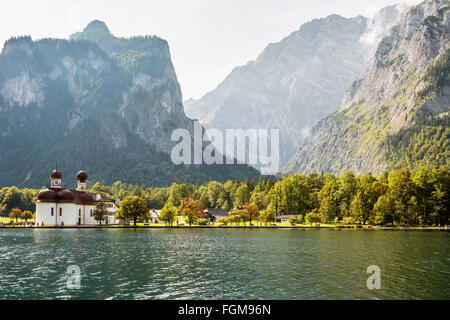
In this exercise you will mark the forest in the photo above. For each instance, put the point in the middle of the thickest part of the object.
(399, 197)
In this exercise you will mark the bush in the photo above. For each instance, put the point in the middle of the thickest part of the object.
(225, 221)
(313, 218)
(202, 222)
(293, 221)
(348, 220)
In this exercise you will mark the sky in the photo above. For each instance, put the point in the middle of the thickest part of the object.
(207, 38)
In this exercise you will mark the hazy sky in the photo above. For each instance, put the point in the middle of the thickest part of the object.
(207, 38)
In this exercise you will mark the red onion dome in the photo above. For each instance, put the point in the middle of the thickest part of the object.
(65, 195)
(56, 174)
(47, 195)
(82, 176)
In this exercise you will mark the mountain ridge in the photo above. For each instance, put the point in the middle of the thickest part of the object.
(293, 83)
(109, 103)
(406, 86)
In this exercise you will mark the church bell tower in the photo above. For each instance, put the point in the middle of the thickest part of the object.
(82, 177)
(55, 179)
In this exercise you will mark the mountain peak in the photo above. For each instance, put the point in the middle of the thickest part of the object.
(97, 26)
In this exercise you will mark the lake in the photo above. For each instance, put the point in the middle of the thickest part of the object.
(223, 264)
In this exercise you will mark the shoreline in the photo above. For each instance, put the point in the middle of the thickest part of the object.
(234, 227)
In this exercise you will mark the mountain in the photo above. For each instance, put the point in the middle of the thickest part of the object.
(396, 114)
(109, 103)
(296, 82)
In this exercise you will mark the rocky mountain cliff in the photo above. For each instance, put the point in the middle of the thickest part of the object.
(395, 115)
(111, 103)
(296, 82)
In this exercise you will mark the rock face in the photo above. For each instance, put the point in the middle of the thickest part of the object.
(397, 113)
(111, 103)
(296, 82)
(151, 100)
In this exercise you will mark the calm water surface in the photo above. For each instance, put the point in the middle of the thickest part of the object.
(224, 264)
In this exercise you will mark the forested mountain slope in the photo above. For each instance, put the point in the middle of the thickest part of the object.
(395, 115)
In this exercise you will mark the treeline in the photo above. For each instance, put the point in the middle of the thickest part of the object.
(420, 197)
(13, 197)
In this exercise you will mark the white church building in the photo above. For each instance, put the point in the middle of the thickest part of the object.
(56, 206)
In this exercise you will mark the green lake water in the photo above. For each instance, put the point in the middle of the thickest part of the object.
(223, 264)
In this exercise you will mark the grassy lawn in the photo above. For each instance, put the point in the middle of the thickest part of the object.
(7, 220)
(256, 224)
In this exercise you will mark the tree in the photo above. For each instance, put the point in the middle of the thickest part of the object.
(238, 216)
(296, 195)
(12, 197)
(223, 220)
(252, 212)
(15, 213)
(157, 198)
(313, 217)
(329, 199)
(204, 198)
(26, 215)
(178, 192)
(401, 190)
(242, 195)
(133, 208)
(359, 207)
(348, 187)
(424, 187)
(225, 200)
(268, 215)
(315, 183)
(258, 199)
(168, 214)
(441, 196)
(192, 209)
(275, 199)
(384, 210)
(100, 212)
(375, 191)
(214, 192)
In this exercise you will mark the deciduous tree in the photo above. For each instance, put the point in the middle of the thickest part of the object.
(133, 208)
(26, 215)
(192, 209)
(251, 211)
(100, 212)
(168, 214)
(15, 214)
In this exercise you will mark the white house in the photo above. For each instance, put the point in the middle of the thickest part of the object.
(154, 215)
(56, 206)
(284, 219)
(112, 205)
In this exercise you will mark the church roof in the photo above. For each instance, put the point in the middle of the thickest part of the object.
(82, 176)
(65, 196)
(56, 174)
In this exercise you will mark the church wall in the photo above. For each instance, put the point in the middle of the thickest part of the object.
(70, 214)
